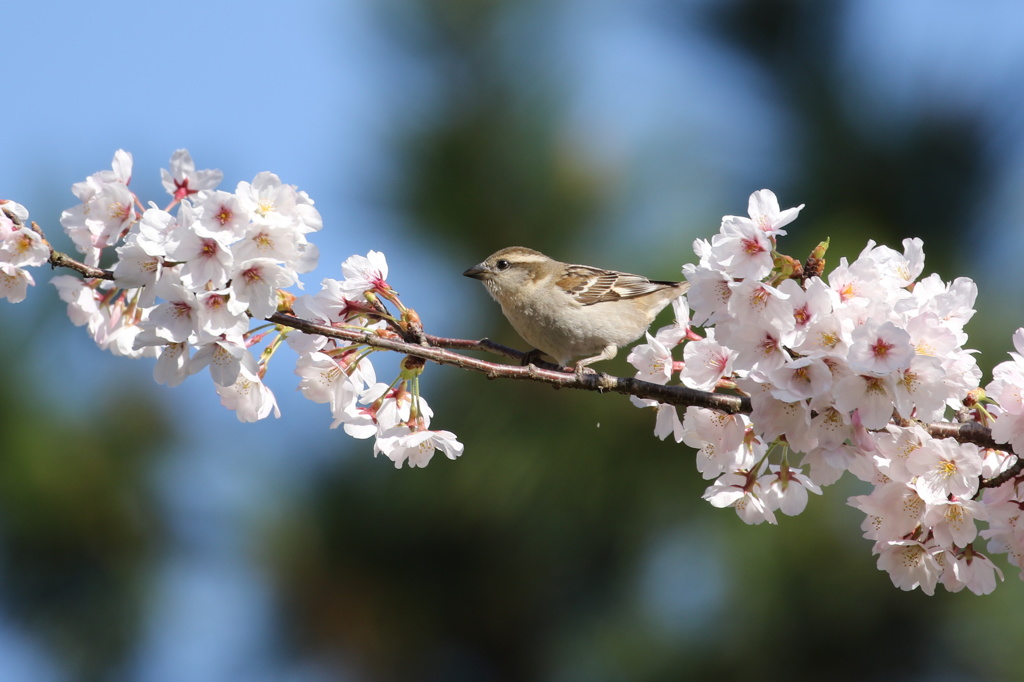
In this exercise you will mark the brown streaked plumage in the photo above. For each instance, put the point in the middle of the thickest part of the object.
(572, 311)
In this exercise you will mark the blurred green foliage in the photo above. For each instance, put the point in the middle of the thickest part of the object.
(78, 521)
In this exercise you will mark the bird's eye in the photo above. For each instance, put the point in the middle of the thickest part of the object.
(503, 264)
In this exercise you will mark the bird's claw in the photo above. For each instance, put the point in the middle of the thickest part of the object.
(582, 370)
(531, 357)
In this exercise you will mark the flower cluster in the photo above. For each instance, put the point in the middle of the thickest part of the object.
(395, 414)
(185, 285)
(20, 248)
(188, 285)
(841, 372)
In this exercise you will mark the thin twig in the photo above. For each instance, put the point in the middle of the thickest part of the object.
(485, 345)
(672, 395)
(62, 260)
(1011, 473)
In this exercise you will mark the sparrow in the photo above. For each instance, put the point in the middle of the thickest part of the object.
(572, 311)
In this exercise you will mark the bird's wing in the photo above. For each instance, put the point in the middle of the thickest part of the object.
(590, 285)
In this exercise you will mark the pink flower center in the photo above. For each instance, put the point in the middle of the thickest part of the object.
(802, 315)
(252, 275)
(880, 349)
(224, 215)
(752, 246)
(182, 190)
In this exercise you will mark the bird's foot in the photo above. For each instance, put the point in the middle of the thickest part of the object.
(531, 357)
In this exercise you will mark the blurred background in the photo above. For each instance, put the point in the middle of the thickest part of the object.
(146, 535)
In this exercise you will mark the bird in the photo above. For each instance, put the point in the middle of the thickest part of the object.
(572, 311)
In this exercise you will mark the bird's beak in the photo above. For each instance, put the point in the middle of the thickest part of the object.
(477, 272)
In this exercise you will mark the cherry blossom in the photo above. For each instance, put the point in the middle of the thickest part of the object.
(183, 180)
(14, 282)
(763, 209)
(945, 467)
(911, 564)
(364, 273)
(249, 397)
(786, 489)
(738, 491)
(653, 361)
(742, 250)
(402, 445)
(705, 363)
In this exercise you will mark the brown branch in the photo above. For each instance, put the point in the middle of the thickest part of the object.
(968, 432)
(672, 395)
(62, 260)
(485, 345)
(1011, 473)
(438, 350)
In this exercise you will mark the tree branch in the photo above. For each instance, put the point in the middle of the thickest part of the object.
(62, 260)
(439, 350)
(672, 395)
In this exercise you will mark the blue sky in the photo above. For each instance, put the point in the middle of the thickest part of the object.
(317, 92)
